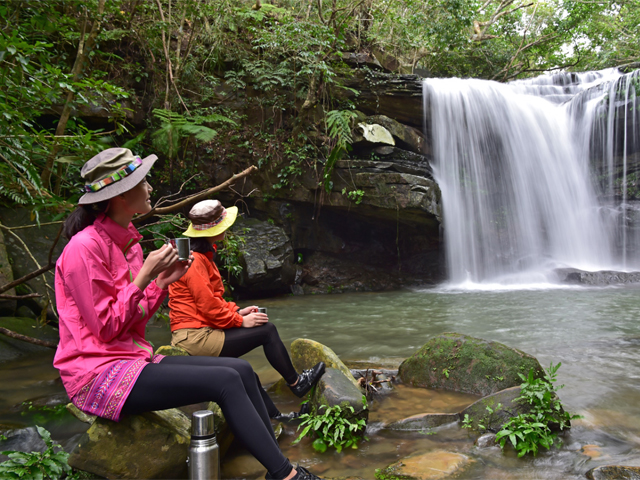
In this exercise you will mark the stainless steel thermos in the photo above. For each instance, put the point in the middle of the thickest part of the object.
(204, 455)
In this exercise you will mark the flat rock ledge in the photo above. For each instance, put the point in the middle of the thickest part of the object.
(614, 472)
(429, 466)
(423, 421)
(601, 278)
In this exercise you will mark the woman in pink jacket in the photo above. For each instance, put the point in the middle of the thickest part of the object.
(106, 293)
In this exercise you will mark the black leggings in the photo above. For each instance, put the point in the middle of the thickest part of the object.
(238, 341)
(230, 382)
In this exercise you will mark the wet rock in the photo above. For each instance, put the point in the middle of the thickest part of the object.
(423, 421)
(244, 465)
(458, 362)
(172, 351)
(591, 451)
(360, 59)
(487, 440)
(267, 258)
(494, 410)
(151, 445)
(334, 388)
(11, 348)
(614, 472)
(601, 278)
(429, 466)
(306, 353)
(333, 275)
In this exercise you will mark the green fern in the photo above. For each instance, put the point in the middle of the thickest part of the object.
(339, 128)
(174, 127)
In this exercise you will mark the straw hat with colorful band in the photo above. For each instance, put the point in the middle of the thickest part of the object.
(112, 172)
(209, 219)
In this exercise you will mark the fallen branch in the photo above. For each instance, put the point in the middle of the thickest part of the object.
(24, 338)
(197, 196)
(5, 296)
(27, 277)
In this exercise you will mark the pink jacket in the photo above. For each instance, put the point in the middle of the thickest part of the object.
(102, 313)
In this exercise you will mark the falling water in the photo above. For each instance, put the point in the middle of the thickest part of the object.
(535, 174)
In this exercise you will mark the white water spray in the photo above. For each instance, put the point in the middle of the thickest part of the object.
(515, 163)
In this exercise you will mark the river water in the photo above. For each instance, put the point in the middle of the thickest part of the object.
(595, 333)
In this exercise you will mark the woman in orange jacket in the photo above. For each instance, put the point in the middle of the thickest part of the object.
(204, 323)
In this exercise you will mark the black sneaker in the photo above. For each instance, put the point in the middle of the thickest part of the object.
(301, 474)
(292, 416)
(304, 474)
(307, 379)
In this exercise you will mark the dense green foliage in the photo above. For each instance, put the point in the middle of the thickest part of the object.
(50, 464)
(529, 431)
(250, 81)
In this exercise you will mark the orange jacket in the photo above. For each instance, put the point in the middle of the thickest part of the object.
(196, 300)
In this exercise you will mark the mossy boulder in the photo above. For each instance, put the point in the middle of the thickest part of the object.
(151, 445)
(334, 388)
(172, 351)
(614, 472)
(461, 363)
(306, 353)
(428, 466)
(224, 435)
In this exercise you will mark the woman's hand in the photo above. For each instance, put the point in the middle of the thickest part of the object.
(156, 263)
(248, 310)
(174, 272)
(254, 320)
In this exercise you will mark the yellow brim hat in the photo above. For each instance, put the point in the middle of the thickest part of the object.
(228, 218)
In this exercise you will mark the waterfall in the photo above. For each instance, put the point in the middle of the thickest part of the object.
(535, 174)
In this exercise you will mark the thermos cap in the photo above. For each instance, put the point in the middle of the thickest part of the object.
(202, 423)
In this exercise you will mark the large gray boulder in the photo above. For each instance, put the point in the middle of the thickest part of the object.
(151, 445)
(267, 258)
(334, 388)
(490, 413)
(458, 362)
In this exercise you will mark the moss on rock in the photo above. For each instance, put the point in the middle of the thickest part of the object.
(151, 445)
(172, 351)
(461, 363)
(306, 353)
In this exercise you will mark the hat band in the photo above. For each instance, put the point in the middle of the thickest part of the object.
(207, 226)
(114, 177)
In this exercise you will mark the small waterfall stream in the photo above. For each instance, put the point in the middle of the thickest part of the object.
(536, 174)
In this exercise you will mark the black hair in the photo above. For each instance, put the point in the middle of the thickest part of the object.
(82, 217)
(201, 245)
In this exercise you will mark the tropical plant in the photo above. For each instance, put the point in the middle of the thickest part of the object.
(51, 464)
(335, 426)
(528, 432)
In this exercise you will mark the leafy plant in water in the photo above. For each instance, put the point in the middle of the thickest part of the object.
(529, 431)
(333, 427)
(37, 465)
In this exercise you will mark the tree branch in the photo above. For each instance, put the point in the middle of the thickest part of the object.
(24, 338)
(196, 197)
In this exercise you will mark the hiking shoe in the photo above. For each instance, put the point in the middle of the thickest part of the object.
(301, 474)
(291, 416)
(307, 379)
(304, 474)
